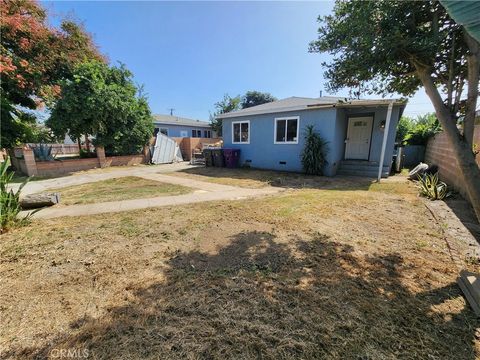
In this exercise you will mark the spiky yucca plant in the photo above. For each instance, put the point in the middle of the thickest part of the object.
(431, 187)
(314, 154)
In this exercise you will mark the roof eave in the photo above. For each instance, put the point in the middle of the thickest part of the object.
(314, 107)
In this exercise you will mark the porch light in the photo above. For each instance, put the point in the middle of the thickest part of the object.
(382, 125)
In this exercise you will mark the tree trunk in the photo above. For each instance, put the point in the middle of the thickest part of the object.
(87, 143)
(468, 167)
(79, 145)
(473, 63)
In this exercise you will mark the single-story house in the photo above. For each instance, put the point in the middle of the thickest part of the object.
(360, 133)
(175, 126)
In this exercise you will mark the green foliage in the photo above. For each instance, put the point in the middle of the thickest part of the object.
(104, 102)
(254, 98)
(379, 44)
(85, 154)
(227, 104)
(417, 131)
(431, 187)
(9, 200)
(405, 124)
(314, 153)
(35, 58)
(423, 129)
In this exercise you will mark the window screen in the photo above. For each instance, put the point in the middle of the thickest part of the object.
(241, 132)
(281, 126)
(286, 130)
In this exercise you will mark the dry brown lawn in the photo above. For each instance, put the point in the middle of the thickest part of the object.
(248, 178)
(123, 188)
(333, 269)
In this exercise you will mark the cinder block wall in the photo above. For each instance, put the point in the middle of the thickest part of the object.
(439, 152)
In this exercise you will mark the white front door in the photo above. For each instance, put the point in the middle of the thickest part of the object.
(359, 134)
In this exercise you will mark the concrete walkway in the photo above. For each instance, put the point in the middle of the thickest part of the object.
(98, 175)
(205, 191)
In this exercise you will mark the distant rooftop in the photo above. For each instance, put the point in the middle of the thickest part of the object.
(177, 120)
(302, 103)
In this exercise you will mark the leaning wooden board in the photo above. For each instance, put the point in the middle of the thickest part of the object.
(470, 285)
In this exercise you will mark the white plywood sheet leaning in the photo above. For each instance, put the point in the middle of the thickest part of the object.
(470, 285)
(166, 150)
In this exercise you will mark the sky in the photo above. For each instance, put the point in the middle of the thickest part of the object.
(187, 55)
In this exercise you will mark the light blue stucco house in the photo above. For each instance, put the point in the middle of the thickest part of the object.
(175, 126)
(271, 136)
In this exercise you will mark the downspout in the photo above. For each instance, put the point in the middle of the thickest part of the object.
(385, 138)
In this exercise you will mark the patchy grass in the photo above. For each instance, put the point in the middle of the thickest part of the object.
(248, 178)
(316, 272)
(256, 178)
(124, 188)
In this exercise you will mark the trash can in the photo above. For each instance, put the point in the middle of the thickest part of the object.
(207, 154)
(218, 159)
(232, 157)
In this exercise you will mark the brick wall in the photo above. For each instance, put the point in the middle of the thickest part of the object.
(24, 161)
(64, 167)
(439, 152)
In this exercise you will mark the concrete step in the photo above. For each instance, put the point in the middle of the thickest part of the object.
(364, 173)
(362, 167)
(356, 162)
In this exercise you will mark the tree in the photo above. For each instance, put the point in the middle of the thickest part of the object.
(405, 124)
(104, 102)
(417, 131)
(227, 104)
(254, 98)
(400, 46)
(34, 59)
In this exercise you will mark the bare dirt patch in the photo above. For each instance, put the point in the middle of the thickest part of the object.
(317, 272)
(123, 188)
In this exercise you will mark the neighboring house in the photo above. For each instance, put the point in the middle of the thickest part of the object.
(271, 136)
(174, 126)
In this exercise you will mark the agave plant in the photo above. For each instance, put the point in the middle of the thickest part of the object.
(9, 200)
(43, 152)
(431, 187)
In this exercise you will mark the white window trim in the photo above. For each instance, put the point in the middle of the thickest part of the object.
(249, 130)
(275, 130)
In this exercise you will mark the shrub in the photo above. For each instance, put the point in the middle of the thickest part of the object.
(314, 153)
(9, 200)
(418, 131)
(432, 188)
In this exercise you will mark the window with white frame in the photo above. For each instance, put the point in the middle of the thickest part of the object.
(184, 133)
(207, 134)
(286, 130)
(164, 131)
(241, 132)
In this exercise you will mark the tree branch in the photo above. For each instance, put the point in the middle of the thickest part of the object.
(444, 115)
(450, 75)
(473, 62)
